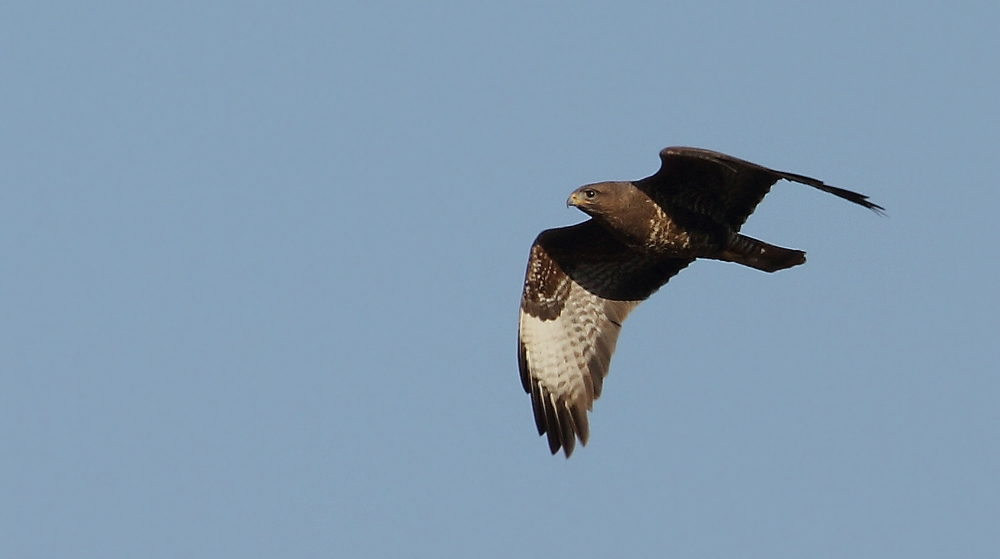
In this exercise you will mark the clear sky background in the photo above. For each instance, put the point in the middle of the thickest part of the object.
(260, 266)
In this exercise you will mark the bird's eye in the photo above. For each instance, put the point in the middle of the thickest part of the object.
(590, 193)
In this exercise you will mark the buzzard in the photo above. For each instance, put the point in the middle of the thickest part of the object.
(583, 280)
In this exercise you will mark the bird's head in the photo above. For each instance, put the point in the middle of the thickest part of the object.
(621, 207)
(599, 199)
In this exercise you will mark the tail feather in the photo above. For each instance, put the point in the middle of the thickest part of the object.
(760, 255)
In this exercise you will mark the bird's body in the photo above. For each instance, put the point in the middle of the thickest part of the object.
(583, 280)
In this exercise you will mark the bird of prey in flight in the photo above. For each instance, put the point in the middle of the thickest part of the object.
(583, 280)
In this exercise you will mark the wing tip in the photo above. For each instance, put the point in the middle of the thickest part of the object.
(849, 195)
(857, 198)
(561, 422)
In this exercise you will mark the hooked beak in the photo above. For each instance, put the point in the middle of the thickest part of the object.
(574, 200)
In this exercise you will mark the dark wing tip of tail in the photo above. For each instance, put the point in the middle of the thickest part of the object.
(760, 255)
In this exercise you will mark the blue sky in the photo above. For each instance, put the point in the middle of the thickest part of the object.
(260, 266)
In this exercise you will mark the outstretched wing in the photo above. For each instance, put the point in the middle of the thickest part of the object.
(580, 285)
(723, 187)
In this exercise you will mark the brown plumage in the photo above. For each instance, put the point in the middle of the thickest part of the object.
(583, 280)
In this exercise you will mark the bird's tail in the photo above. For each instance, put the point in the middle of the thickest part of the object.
(760, 255)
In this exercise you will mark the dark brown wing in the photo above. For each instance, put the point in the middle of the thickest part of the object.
(723, 187)
(580, 285)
